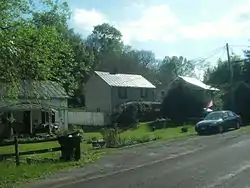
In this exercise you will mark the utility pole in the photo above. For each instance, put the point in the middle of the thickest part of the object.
(231, 77)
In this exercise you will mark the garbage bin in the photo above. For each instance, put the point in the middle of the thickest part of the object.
(70, 146)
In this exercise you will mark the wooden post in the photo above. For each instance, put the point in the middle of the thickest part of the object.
(31, 122)
(16, 151)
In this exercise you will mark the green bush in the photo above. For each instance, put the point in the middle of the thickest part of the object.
(111, 136)
(182, 103)
(241, 101)
(129, 114)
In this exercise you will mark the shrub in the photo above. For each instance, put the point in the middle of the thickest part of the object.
(241, 99)
(182, 103)
(111, 136)
(184, 129)
(129, 114)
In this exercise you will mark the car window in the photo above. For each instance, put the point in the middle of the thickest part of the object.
(225, 115)
(214, 116)
(230, 114)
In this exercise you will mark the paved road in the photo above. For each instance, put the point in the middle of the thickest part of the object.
(206, 161)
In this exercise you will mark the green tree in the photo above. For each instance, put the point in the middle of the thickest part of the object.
(106, 43)
(182, 103)
(170, 67)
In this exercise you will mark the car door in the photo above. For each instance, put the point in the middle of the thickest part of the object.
(232, 119)
(226, 121)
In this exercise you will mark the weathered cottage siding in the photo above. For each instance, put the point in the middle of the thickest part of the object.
(133, 94)
(97, 95)
(60, 105)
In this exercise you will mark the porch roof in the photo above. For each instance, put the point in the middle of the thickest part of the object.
(25, 107)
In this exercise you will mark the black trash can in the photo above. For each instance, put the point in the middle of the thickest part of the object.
(71, 146)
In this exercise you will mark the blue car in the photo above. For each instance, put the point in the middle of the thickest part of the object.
(218, 122)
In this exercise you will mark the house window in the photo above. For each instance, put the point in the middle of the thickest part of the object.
(45, 117)
(162, 93)
(122, 92)
(144, 92)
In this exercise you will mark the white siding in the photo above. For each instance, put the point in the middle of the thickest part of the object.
(86, 118)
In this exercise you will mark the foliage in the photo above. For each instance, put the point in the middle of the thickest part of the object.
(111, 136)
(174, 66)
(36, 43)
(181, 103)
(219, 76)
(128, 114)
(241, 98)
(137, 140)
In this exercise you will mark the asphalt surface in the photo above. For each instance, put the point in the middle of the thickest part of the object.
(221, 160)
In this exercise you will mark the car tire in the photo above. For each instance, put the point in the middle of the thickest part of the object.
(220, 129)
(237, 125)
(199, 133)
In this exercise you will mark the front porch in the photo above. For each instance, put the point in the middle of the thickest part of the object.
(27, 116)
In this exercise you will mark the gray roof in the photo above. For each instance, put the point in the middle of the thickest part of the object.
(35, 89)
(197, 83)
(125, 80)
(8, 106)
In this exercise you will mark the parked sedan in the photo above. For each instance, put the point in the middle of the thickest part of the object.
(218, 122)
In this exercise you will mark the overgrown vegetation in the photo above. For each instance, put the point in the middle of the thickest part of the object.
(181, 103)
(219, 77)
(130, 114)
(11, 175)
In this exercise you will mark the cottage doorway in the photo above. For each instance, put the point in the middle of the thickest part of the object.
(26, 121)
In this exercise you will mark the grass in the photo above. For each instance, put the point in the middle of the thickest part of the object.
(168, 133)
(11, 175)
(145, 130)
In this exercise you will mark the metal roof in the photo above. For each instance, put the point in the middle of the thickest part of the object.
(125, 80)
(198, 83)
(25, 107)
(36, 89)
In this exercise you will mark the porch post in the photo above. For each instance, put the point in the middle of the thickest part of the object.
(31, 122)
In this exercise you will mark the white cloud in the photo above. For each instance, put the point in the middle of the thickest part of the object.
(87, 19)
(235, 23)
(159, 23)
(156, 23)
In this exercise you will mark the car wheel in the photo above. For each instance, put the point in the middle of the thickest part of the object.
(237, 125)
(220, 129)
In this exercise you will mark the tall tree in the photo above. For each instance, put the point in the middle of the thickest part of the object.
(106, 43)
(219, 75)
(174, 66)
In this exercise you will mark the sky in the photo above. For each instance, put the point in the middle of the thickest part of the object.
(190, 28)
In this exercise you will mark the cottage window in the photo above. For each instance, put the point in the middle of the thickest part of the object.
(122, 92)
(45, 117)
(144, 92)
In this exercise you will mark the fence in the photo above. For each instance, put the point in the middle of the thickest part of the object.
(70, 148)
(17, 154)
(79, 117)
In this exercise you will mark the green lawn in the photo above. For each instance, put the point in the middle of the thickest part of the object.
(144, 130)
(10, 174)
(168, 133)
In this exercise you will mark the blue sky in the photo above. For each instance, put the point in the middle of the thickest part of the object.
(191, 28)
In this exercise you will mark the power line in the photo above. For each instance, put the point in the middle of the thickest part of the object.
(202, 60)
(212, 54)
